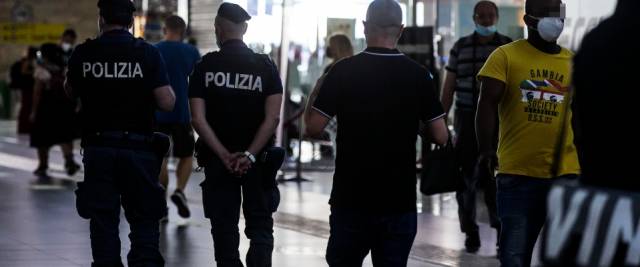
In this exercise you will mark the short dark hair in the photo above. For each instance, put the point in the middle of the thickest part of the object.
(175, 24)
(52, 53)
(228, 26)
(118, 19)
(117, 12)
(70, 33)
(528, 6)
(484, 2)
(532, 6)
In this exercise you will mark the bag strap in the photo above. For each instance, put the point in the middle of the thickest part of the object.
(474, 89)
(562, 136)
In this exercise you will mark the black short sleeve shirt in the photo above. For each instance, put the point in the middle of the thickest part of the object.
(378, 97)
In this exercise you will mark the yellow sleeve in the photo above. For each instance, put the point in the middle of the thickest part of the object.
(495, 66)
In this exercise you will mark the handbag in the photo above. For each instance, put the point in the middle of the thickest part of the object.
(441, 172)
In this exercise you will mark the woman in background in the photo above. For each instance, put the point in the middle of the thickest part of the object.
(22, 82)
(53, 113)
(339, 47)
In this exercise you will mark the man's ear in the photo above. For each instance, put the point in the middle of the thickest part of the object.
(400, 32)
(530, 22)
(366, 28)
(100, 23)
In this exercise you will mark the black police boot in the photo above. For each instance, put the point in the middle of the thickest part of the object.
(180, 200)
(70, 165)
(472, 243)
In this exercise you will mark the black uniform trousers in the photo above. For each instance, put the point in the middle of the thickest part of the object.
(127, 177)
(222, 195)
(467, 155)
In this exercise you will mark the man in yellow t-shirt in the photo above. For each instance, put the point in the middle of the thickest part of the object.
(526, 83)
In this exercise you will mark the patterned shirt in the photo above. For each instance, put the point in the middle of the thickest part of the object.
(467, 57)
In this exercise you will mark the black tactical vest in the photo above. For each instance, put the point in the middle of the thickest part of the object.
(115, 86)
(237, 82)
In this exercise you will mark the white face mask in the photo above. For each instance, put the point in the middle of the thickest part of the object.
(66, 47)
(550, 28)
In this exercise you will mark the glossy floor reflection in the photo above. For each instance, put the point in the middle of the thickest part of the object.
(39, 225)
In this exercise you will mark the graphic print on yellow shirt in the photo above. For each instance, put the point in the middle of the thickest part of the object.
(532, 109)
(543, 97)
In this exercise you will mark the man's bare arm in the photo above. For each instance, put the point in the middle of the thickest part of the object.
(314, 121)
(491, 91)
(435, 131)
(165, 98)
(448, 89)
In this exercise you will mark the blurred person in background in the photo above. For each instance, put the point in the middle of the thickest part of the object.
(67, 43)
(180, 58)
(339, 47)
(53, 113)
(22, 81)
(467, 57)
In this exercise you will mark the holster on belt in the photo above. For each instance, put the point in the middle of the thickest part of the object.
(202, 154)
(272, 159)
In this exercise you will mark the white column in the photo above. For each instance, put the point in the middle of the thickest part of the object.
(183, 10)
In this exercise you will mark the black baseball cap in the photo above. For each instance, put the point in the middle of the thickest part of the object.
(233, 12)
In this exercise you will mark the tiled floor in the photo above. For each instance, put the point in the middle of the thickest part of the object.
(40, 227)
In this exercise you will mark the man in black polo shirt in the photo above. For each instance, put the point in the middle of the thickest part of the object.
(467, 57)
(379, 98)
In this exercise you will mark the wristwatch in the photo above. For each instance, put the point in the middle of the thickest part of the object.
(250, 156)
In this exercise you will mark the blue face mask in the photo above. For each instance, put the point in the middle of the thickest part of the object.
(486, 31)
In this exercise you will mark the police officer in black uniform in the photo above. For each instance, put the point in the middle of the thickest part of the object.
(120, 81)
(235, 98)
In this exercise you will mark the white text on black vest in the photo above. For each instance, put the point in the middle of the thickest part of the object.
(112, 70)
(234, 81)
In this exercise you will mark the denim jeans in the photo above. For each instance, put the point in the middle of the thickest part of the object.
(522, 209)
(128, 178)
(354, 234)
